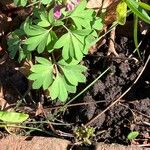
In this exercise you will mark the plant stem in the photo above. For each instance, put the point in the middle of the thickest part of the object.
(87, 87)
(33, 4)
(24, 127)
(135, 34)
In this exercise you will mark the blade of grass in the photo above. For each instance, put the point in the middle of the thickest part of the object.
(138, 10)
(135, 35)
(144, 5)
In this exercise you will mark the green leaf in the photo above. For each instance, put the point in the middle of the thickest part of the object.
(73, 73)
(66, 80)
(138, 10)
(43, 21)
(54, 38)
(63, 94)
(39, 42)
(74, 47)
(23, 53)
(144, 5)
(54, 89)
(32, 30)
(57, 23)
(46, 19)
(58, 89)
(81, 16)
(20, 2)
(51, 16)
(38, 37)
(13, 117)
(15, 45)
(121, 13)
(42, 73)
(70, 88)
(45, 2)
(132, 135)
(88, 42)
(97, 24)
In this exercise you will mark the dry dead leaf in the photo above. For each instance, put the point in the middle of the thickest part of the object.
(39, 110)
(25, 68)
(108, 5)
(97, 4)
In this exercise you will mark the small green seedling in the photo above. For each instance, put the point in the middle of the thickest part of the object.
(84, 134)
(132, 135)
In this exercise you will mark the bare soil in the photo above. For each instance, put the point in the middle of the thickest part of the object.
(130, 113)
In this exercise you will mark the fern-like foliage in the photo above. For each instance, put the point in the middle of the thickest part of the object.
(61, 42)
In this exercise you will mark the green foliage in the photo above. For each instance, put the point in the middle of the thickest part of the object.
(85, 18)
(61, 43)
(81, 16)
(15, 45)
(42, 73)
(73, 72)
(132, 135)
(45, 2)
(20, 2)
(84, 134)
(24, 2)
(38, 37)
(144, 5)
(138, 10)
(13, 117)
(76, 45)
(59, 78)
(121, 12)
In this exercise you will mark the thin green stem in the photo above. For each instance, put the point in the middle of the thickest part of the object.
(66, 28)
(32, 4)
(87, 87)
(63, 108)
(135, 34)
(24, 127)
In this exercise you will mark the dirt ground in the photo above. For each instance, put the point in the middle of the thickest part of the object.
(129, 113)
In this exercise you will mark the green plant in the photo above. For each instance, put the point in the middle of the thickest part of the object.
(84, 134)
(139, 11)
(13, 117)
(132, 135)
(59, 34)
(25, 2)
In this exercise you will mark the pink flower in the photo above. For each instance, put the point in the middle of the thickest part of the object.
(76, 2)
(71, 4)
(57, 11)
